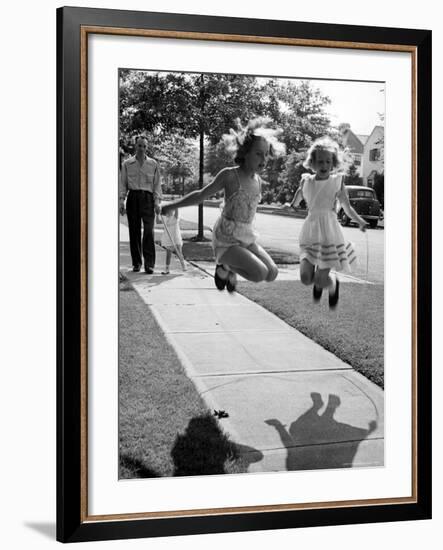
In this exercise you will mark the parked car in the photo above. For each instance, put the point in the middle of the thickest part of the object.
(364, 201)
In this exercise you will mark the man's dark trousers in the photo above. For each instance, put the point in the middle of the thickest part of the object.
(140, 208)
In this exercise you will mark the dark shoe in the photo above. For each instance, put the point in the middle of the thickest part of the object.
(231, 283)
(149, 270)
(333, 298)
(316, 293)
(219, 282)
(136, 268)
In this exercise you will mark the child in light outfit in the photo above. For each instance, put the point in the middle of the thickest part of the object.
(322, 244)
(234, 238)
(171, 231)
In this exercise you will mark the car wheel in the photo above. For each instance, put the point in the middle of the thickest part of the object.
(344, 220)
(373, 223)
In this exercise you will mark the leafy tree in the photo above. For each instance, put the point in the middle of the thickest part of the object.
(194, 105)
(352, 177)
(300, 113)
(178, 159)
(293, 170)
(200, 108)
(217, 157)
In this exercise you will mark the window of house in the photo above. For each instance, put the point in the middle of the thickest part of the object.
(357, 160)
(374, 154)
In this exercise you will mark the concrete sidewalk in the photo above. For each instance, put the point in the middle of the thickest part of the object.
(292, 405)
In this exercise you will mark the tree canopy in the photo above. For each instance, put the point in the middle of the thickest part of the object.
(185, 116)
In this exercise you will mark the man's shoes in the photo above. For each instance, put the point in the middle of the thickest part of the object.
(333, 296)
(149, 270)
(231, 283)
(316, 293)
(136, 268)
(220, 282)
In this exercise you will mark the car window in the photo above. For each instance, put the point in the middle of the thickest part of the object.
(361, 193)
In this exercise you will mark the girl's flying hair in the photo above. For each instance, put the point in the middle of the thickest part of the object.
(240, 141)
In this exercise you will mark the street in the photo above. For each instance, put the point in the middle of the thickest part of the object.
(282, 232)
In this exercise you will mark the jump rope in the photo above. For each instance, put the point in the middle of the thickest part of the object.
(179, 256)
(367, 266)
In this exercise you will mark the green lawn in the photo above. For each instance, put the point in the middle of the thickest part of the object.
(165, 428)
(354, 332)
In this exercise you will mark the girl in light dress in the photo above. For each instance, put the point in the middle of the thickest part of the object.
(322, 244)
(171, 238)
(234, 238)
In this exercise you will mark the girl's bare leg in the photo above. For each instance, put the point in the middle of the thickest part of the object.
(322, 278)
(168, 261)
(266, 259)
(307, 271)
(244, 262)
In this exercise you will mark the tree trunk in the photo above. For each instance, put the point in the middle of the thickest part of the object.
(200, 236)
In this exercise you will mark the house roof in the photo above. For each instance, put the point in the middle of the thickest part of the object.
(362, 138)
(353, 142)
(374, 129)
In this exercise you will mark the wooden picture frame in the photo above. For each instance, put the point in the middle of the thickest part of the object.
(74, 25)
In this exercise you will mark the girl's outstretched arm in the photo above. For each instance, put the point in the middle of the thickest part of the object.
(199, 195)
(343, 197)
(298, 197)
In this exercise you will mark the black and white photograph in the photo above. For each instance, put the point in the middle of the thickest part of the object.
(219, 327)
(251, 273)
(242, 305)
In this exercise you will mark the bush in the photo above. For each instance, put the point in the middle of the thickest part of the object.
(268, 197)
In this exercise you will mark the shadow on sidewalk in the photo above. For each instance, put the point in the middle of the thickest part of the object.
(203, 449)
(310, 440)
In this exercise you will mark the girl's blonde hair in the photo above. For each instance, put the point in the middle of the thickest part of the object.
(326, 143)
(239, 142)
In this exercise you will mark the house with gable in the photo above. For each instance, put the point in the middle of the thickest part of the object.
(373, 156)
(355, 145)
(367, 152)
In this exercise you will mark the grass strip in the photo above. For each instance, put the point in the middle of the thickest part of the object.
(165, 428)
(354, 331)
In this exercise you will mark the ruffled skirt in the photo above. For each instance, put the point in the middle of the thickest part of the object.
(322, 243)
(227, 233)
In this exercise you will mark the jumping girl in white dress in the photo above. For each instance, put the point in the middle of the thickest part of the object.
(322, 244)
(234, 238)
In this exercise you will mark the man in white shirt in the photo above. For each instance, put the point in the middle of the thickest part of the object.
(140, 183)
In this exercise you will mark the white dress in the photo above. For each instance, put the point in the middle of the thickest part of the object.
(321, 239)
(173, 225)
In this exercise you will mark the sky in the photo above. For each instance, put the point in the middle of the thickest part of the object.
(358, 103)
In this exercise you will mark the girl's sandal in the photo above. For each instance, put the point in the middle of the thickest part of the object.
(333, 297)
(219, 282)
(231, 283)
(316, 293)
